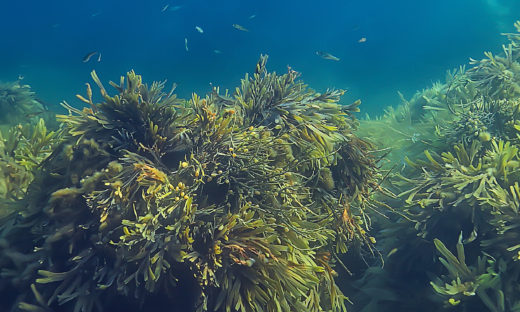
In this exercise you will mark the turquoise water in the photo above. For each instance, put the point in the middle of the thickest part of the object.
(408, 44)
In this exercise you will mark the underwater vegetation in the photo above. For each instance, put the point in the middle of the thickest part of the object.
(240, 201)
(19, 104)
(22, 151)
(454, 244)
(25, 140)
(265, 198)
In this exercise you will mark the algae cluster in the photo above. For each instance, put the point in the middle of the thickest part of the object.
(25, 139)
(454, 244)
(231, 202)
(251, 200)
(19, 104)
(22, 150)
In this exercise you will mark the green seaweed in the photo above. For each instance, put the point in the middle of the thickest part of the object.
(461, 179)
(18, 104)
(238, 202)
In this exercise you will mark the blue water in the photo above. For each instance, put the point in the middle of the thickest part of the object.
(409, 43)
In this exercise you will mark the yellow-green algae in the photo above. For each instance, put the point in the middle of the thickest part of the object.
(231, 202)
(246, 201)
(456, 188)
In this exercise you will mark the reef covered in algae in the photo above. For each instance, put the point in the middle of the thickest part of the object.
(454, 244)
(251, 200)
(231, 202)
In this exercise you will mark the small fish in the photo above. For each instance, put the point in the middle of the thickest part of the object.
(87, 57)
(34, 114)
(363, 39)
(43, 104)
(44, 109)
(95, 14)
(240, 27)
(217, 51)
(199, 29)
(99, 57)
(327, 56)
(175, 8)
(186, 44)
(252, 16)
(165, 8)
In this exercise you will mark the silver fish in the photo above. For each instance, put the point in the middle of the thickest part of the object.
(87, 57)
(327, 56)
(240, 27)
(186, 44)
(199, 29)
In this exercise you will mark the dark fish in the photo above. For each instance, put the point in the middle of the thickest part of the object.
(327, 56)
(87, 57)
(42, 103)
(34, 114)
(44, 109)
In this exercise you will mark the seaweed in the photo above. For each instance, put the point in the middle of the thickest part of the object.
(483, 281)
(461, 181)
(23, 148)
(238, 202)
(497, 76)
(19, 104)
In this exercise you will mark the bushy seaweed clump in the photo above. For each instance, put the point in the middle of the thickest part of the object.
(406, 130)
(235, 202)
(18, 104)
(25, 140)
(463, 192)
(22, 150)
